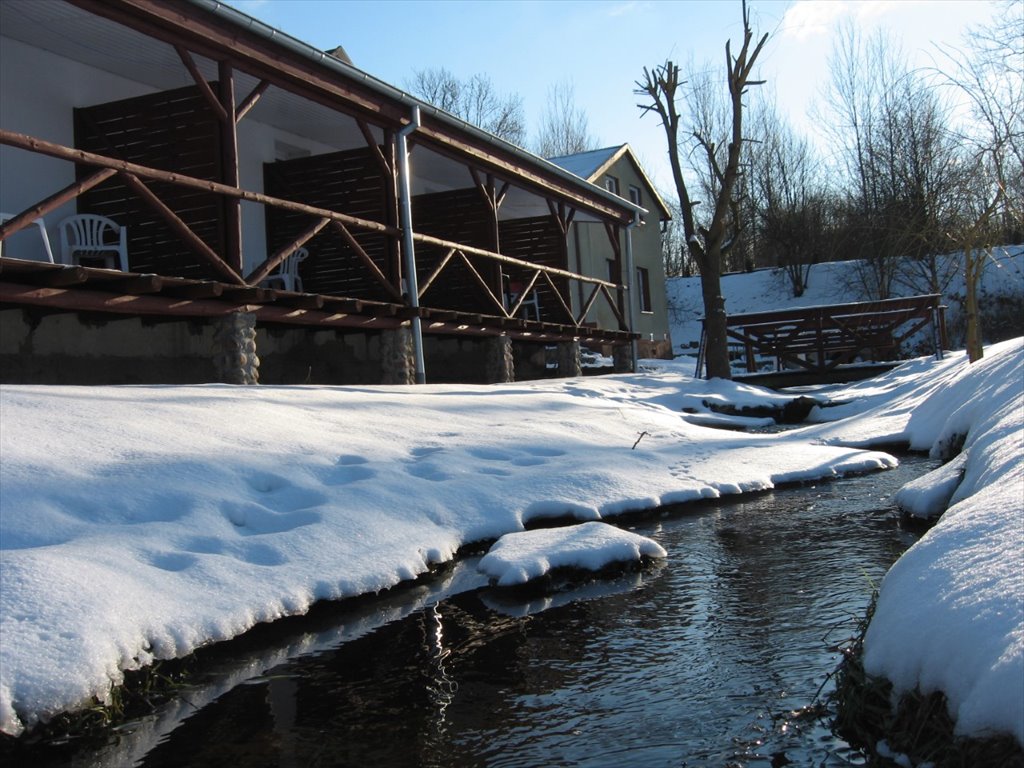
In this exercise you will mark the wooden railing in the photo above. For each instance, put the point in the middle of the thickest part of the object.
(134, 176)
(824, 337)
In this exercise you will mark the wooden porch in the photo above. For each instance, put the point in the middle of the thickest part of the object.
(168, 166)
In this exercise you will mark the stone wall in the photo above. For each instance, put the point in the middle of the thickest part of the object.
(37, 347)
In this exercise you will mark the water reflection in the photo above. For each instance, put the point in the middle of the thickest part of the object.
(707, 659)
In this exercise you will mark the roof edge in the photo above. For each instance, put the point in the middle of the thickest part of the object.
(278, 37)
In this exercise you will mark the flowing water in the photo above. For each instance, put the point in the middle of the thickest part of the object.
(718, 656)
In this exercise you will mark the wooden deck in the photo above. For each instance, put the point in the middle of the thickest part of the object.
(89, 289)
(821, 341)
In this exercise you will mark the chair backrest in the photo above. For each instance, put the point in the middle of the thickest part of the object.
(89, 232)
(42, 234)
(290, 266)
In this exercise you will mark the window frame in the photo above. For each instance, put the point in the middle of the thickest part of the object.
(643, 284)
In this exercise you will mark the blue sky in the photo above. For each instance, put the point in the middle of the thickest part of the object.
(601, 47)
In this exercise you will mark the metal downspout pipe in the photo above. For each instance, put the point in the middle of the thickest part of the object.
(630, 288)
(408, 252)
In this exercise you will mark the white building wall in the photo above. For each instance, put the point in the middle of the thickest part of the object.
(39, 91)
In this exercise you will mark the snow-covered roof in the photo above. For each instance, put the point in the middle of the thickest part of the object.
(586, 164)
(593, 164)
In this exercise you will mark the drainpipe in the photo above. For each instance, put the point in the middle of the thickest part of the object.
(630, 285)
(408, 253)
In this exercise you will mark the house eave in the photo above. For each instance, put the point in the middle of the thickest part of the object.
(484, 145)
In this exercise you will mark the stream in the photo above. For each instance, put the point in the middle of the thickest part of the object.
(718, 656)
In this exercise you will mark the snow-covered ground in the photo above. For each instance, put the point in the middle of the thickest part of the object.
(139, 523)
(837, 282)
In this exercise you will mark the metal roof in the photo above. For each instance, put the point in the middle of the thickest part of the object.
(240, 19)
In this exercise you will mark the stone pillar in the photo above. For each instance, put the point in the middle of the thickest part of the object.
(397, 360)
(569, 359)
(622, 357)
(234, 349)
(499, 366)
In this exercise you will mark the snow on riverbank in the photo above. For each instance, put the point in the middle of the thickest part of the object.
(517, 558)
(139, 523)
(950, 614)
(840, 282)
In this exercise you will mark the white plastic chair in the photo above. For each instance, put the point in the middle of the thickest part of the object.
(287, 273)
(87, 235)
(532, 301)
(42, 233)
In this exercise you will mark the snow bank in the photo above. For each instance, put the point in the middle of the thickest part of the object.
(140, 523)
(950, 614)
(517, 558)
(837, 282)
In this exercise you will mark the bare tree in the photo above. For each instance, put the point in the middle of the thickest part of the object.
(788, 199)
(473, 100)
(902, 165)
(990, 77)
(706, 245)
(674, 253)
(564, 127)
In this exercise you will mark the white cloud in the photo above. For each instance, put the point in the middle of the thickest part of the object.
(811, 18)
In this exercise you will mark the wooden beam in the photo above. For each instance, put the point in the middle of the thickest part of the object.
(78, 299)
(229, 167)
(33, 144)
(483, 283)
(54, 201)
(250, 101)
(204, 87)
(210, 36)
(182, 229)
(69, 275)
(425, 285)
(137, 284)
(561, 299)
(213, 37)
(268, 265)
(368, 262)
(207, 289)
(468, 249)
(371, 142)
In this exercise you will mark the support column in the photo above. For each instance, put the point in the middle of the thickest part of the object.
(569, 359)
(500, 368)
(622, 357)
(397, 357)
(234, 349)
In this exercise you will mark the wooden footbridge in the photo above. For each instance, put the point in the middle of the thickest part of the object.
(838, 342)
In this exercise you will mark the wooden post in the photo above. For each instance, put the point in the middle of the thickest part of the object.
(493, 200)
(229, 168)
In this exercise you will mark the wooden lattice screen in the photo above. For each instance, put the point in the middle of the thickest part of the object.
(347, 182)
(541, 241)
(172, 131)
(460, 216)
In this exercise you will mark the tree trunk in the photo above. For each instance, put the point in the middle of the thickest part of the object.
(972, 272)
(716, 342)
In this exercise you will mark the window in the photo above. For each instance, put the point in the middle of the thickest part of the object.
(611, 184)
(613, 272)
(643, 288)
(634, 195)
